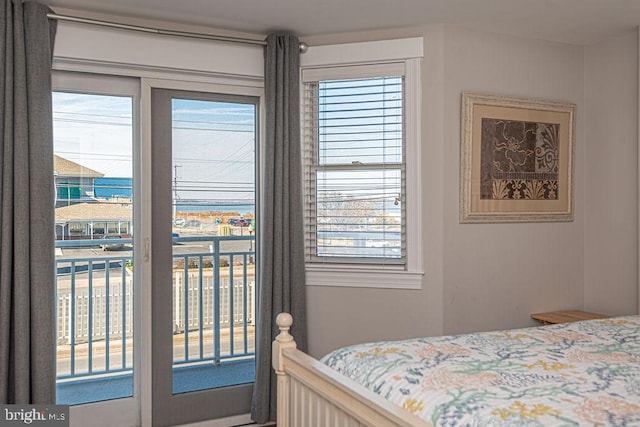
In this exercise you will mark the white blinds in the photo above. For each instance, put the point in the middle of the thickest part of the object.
(354, 159)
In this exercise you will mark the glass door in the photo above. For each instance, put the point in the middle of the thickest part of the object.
(203, 246)
(94, 253)
(95, 146)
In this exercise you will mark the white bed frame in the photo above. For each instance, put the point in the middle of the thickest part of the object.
(310, 394)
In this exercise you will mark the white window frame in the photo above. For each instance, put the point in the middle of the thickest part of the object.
(410, 53)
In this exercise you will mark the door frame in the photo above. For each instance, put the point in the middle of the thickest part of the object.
(236, 87)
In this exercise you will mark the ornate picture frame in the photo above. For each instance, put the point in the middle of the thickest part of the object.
(516, 159)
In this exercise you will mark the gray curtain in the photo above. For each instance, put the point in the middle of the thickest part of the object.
(282, 277)
(27, 346)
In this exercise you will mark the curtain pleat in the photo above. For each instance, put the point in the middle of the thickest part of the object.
(281, 267)
(27, 275)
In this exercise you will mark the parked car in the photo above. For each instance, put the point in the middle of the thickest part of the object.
(243, 223)
(233, 221)
(115, 246)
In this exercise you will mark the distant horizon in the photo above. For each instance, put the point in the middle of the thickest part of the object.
(112, 187)
(217, 208)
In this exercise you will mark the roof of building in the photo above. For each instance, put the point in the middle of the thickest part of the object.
(97, 211)
(65, 167)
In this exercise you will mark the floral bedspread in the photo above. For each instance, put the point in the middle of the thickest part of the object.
(582, 373)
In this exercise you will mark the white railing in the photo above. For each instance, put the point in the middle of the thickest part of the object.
(95, 307)
(231, 303)
(112, 313)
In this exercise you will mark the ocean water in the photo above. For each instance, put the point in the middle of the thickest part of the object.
(106, 188)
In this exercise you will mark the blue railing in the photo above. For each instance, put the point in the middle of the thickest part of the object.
(213, 304)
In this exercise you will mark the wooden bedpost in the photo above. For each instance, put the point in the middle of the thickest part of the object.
(283, 341)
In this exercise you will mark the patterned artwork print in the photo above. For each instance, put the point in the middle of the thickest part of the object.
(519, 160)
(571, 374)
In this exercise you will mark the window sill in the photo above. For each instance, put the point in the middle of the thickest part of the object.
(364, 277)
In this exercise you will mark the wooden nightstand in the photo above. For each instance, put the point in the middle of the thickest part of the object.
(554, 317)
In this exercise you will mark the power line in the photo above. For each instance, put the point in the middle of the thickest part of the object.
(93, 115)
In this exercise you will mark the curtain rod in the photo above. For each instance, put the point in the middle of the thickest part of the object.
(163, 32)
(302, 46)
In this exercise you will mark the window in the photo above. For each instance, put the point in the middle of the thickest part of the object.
(94, 136)
(361, 164)
(354, 149)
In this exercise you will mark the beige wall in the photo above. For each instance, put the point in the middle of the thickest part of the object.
(491, 276)
(611, 185)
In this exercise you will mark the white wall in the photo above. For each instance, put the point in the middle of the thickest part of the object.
(611, 183)
(492, 276)
(496, 275)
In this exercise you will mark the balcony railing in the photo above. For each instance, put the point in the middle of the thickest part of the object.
(213, 304)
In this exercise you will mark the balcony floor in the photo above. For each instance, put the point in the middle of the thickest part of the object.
(186, 379)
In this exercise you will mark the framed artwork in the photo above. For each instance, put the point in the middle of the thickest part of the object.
(516, 160)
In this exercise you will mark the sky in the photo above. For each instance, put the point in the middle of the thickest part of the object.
(214, 147)
(213, 143)
(94, 131)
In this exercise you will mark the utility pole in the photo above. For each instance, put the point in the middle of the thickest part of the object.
(175, 191)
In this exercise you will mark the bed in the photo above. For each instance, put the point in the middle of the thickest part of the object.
(581, 373)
